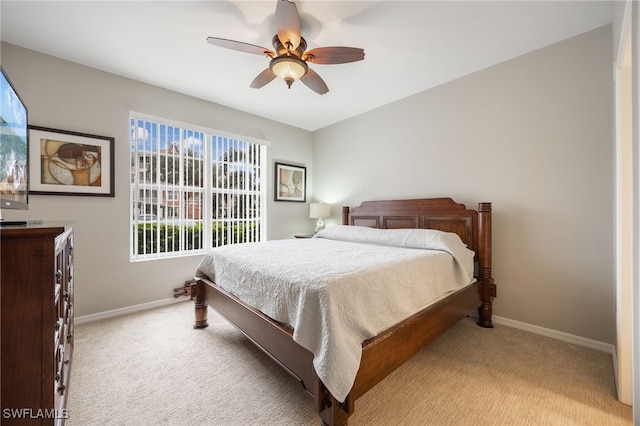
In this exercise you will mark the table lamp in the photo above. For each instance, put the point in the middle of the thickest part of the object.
(319, 211)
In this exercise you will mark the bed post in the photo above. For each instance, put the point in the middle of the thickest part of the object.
(345, 215)
(331, 412)
(200, 306)
(488, 289)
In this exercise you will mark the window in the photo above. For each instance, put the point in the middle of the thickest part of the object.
(192, 190)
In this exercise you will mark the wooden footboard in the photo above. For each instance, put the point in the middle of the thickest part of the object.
(385, 352)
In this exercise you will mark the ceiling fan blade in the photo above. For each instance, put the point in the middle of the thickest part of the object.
(334, 55)
(240, 46)
(314, 82)
(288, 24)
(262, 79)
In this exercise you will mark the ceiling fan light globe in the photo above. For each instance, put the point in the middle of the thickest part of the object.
(288, 68)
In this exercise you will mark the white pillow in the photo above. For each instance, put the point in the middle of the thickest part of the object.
(428, 239)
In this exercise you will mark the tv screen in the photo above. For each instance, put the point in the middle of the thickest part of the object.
(14, 148)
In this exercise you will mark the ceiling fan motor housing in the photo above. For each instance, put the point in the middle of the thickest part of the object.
(282, 50)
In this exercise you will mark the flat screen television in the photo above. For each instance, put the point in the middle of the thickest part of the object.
(14, 150)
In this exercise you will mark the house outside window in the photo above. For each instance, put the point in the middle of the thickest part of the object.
(193, 189)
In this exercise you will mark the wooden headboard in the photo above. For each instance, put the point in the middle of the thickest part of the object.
(432, 213)
(444, 214)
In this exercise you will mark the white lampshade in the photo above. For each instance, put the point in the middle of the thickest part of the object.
(319, 211)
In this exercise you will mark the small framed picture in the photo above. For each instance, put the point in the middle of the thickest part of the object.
(290, 183)
(70, 163)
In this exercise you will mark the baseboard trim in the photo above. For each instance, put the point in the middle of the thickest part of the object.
(558, 335)
(127, 310)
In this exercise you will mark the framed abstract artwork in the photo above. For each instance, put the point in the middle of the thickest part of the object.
(70, 163)
(290, 183)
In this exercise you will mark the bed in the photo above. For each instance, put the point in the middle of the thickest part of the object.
(389, 347)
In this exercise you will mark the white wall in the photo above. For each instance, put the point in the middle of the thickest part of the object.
(533, 135)
(63, 95)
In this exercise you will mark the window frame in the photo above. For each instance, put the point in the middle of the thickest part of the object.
(187, 213)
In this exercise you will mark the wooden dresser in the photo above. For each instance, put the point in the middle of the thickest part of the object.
(37, 323)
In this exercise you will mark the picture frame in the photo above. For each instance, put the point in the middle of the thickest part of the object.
(290, 182)
(63, 162)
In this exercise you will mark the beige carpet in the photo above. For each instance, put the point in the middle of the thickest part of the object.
(141, 369)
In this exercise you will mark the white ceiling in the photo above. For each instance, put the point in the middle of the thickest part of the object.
(409, 46)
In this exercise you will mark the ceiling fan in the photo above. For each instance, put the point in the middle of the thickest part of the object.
(290, 58)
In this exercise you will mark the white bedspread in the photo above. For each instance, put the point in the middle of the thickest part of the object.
(342, 287)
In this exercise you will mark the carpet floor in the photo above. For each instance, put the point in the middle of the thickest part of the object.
(153, 368)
